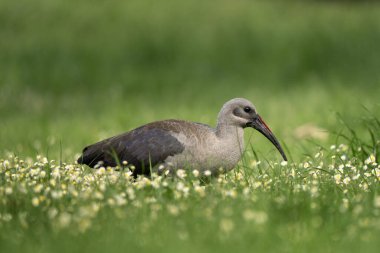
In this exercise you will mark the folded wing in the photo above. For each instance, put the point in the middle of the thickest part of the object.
(143, 147)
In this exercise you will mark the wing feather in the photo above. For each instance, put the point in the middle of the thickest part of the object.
(142, 147)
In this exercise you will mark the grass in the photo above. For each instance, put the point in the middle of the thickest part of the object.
(74, 72)
(330, 199)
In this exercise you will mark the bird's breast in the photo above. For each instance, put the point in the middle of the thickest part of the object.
(208, 152)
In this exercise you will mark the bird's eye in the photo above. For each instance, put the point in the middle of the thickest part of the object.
(247, 109)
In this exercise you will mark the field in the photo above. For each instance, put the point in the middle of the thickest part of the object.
(75, 72)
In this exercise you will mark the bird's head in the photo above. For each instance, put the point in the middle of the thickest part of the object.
(240, 112)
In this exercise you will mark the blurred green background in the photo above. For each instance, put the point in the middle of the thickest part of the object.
(73, 72)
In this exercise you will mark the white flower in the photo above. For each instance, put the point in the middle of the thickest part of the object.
(56, 194)
(8, 190)
(200, 190)
(7, 217)
(100, 171)
(226, 225)
(371, 159)
(367, 174)
(35, 201)
(249, 215)
(173, 210)
(257, 216)
(142, 182)
(343, 147)
(156, 183)
(64, 220)
(120, 200)
(6, 164)
(314, 191)
(346, 180)
(113, 178)
(56, 173)
(257, 184)
(377, 172)
(38, 188)
(181, 173)
(364, 186)
(180, 186)
(34, 172)
(131, 193)
(337, 178)
(42, 174)
(255, 163)
(207, 173)
(231, 193)
(293, 173)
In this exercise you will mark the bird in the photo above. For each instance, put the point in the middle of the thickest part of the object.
(169, 145)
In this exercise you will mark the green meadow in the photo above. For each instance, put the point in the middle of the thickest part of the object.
(75, 72)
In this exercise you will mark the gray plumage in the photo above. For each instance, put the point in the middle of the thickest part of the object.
(182, 144)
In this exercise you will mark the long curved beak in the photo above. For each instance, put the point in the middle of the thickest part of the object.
(259, 124)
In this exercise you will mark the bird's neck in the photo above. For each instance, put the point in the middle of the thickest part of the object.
(227, 131)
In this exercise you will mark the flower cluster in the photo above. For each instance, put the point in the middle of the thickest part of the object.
(72, 196)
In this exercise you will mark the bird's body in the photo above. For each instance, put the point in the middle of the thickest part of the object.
(172, 144)
(204, 146)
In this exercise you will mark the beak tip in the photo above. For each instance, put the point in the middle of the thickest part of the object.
(262, 127)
